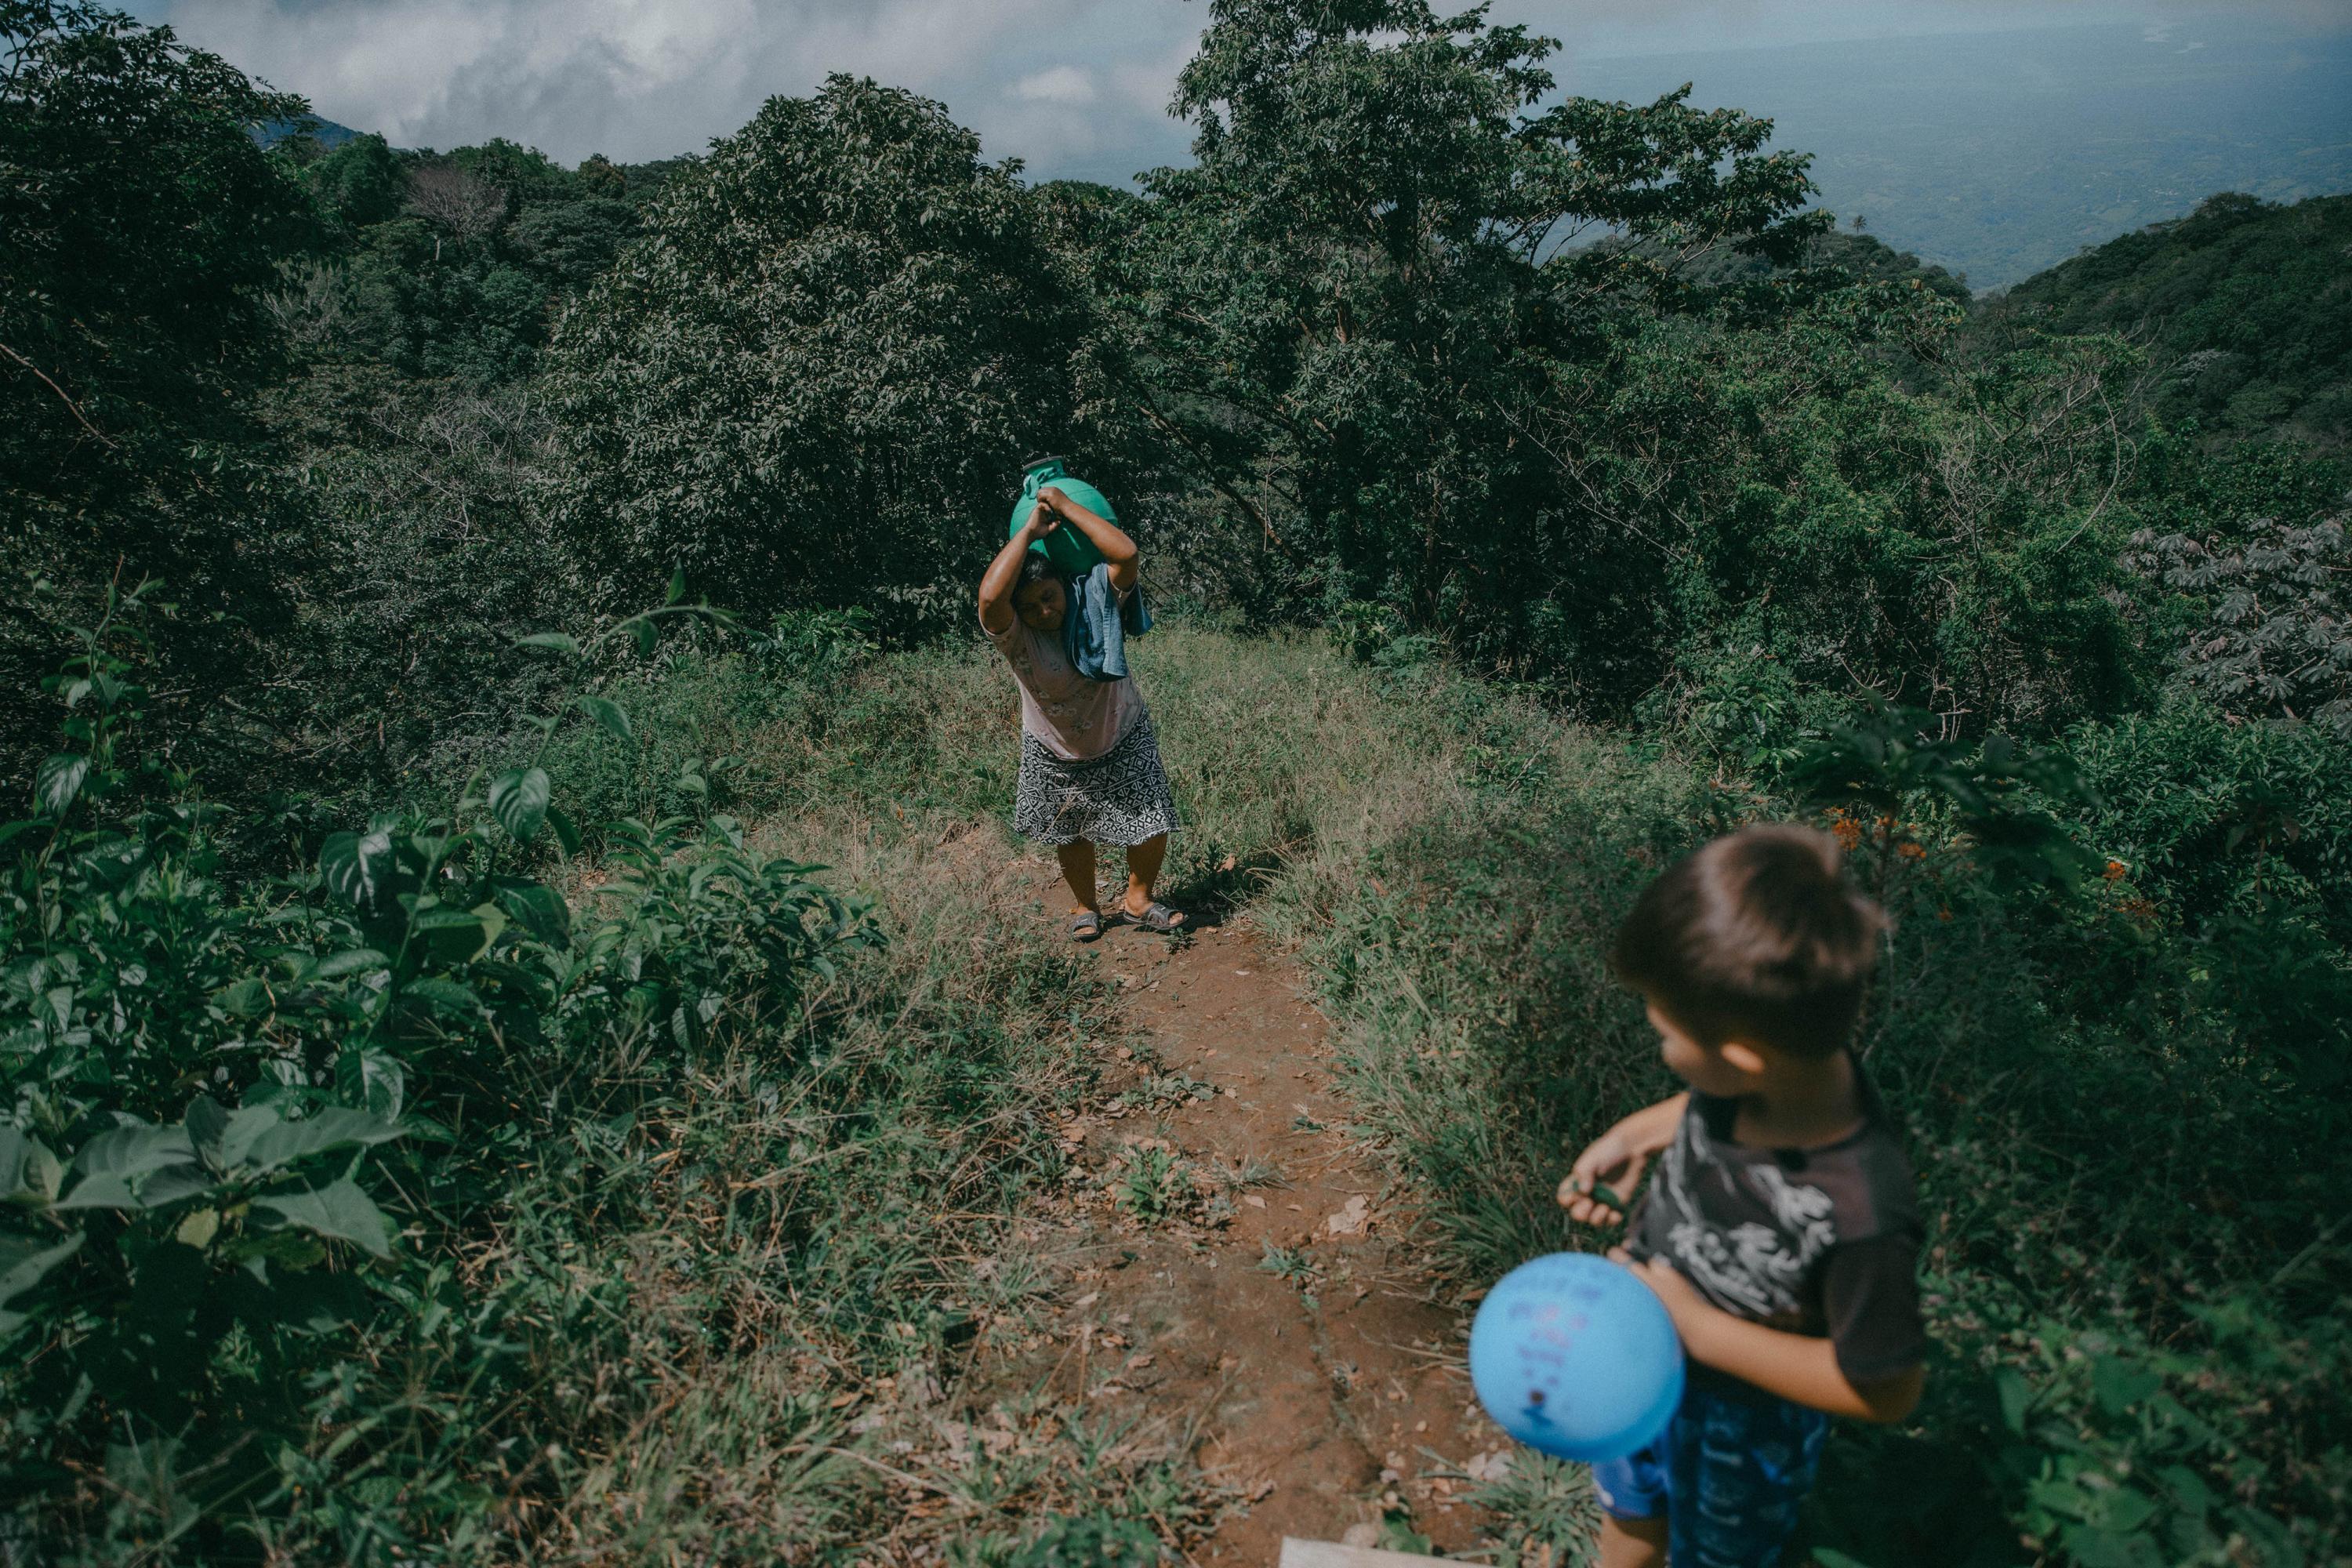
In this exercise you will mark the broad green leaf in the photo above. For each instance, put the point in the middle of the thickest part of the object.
(172, 1184)
(566, 833)
(133, 1150)
(339, 1211)
(677, 585)
(556, 640)
(2119, 1384)
(105, 1190)
(2188, 1488)
(493, 921)
(58, 780)
(23, 1263)
(608, 714)
(371, 1080)
(355, 865)
(2128, 1509)
(29, 1173)
(331, 1129)
(2008, 1384)
(248, 998)
(454, 936)
(139, 1185)
(2094, 1548)
(198, 1228)
(646, 634)
(350, 960)
(519, 801)
(206, 1121)
(442, 996)
(539, 906)
(245, 1124)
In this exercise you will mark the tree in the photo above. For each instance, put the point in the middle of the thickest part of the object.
(140, 227)
(359, 183)
(817, 373)
(449, 197)
(599, 177)
(1338, 313)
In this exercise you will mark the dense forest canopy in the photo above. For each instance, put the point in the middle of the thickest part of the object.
(2244, 310)
(360, 504)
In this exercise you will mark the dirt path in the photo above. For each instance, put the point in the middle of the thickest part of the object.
(1249, 1281)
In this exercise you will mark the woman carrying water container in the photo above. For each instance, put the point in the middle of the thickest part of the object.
(1058, 602)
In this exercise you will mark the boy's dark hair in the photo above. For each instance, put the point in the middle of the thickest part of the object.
(1036, 567)
(1756, 937)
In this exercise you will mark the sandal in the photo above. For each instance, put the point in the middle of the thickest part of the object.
(1085, 925)
(1159, 916)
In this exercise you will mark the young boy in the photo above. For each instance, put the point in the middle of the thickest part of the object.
(1782, 1230)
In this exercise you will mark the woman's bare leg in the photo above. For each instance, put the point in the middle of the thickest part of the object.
(1143, 862)
(1077, 859)
(1632, 1542)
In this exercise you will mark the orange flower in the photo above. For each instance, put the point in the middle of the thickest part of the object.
(1910, 851)
(2115, 868)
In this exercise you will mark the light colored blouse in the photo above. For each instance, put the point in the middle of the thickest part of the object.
(1078, 720)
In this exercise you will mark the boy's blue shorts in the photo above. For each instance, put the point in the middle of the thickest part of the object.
(1728, 1474)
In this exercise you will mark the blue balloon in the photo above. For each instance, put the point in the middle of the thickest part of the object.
(1574, 1356)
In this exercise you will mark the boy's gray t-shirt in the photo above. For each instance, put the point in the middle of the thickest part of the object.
(1823, 1242)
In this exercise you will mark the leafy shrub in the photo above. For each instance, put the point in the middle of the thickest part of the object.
(2133, 1302)
(2278, 639)
(135, 337)
(827, 356)
(201, 1275)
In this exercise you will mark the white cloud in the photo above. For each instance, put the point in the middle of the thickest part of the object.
(1062, 84)
(649, 79)
(1074, 87)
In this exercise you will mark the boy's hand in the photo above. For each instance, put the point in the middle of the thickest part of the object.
(1690, 1311)
(1597, 1187)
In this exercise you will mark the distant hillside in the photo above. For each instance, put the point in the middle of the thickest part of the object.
(1998, 154)
(2245, 306)
(325, 132)
(1865, 257)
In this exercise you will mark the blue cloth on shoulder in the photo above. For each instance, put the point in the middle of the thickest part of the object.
(1097, 623)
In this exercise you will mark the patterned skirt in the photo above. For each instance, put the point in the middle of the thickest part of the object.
(1120, 797)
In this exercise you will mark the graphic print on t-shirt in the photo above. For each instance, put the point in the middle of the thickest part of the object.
(1753, 1268)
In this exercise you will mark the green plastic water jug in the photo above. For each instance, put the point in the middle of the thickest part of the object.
(1072, 552)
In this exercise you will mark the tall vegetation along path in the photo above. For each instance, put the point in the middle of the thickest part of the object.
(1245, 1280)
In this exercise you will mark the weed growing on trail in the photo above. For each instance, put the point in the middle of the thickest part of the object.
(1549, 1516)
(1152, 1181)
(1250, 1172)
(1296, 1267)
(1165, 1091)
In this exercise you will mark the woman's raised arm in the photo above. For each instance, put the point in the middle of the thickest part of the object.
(1118, 551)
(996, 583)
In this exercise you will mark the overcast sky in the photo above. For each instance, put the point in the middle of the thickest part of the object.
(1073, 88)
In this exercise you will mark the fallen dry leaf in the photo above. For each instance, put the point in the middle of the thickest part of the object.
(1490, 1467)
